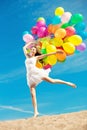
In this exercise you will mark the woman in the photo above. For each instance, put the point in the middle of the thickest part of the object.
(36, 75)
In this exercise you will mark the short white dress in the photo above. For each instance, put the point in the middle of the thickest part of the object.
(34, 74)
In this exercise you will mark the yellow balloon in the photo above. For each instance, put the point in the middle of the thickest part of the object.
(51, 60)
(59, 11)
(56, 42)
(75, 39)
(50, 48)
(69, 48)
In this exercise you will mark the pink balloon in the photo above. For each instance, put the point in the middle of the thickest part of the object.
(34, 30)
(41, 32)
(70, 31)
(41, 23)
(28, 38)
(81, 47)
(66, 17)
(47, 66)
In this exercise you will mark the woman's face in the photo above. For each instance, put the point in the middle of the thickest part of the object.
(33, 51)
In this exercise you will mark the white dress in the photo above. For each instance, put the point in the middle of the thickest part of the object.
(34, 74)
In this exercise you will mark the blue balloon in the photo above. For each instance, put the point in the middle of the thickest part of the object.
(83, 34)
(25, 32)
(56, 20)
(80, 26)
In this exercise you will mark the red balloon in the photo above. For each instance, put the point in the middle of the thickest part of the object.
(70, 31)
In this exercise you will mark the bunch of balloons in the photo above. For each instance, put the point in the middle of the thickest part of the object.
(66, 32)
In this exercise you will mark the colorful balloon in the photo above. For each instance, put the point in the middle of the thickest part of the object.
(28, 38)
(75, 39)
(41, 23)
(66, 17)
(40, 19)
(56, 20)
(51, 60)
(34, 30)
(70, 31)
(76, 18)
(69, 48)
(59, 11)
(60, 33)
(80, 26)
(56, 42)
(50, 48)
(61, 56)
(81, 47)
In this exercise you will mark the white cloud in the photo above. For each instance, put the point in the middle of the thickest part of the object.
(15, 74)
(15, 109)
(75, 107)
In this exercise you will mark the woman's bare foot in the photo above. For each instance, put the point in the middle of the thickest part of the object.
(36, 114)
(71, 84)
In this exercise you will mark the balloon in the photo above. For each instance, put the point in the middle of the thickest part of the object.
(28, 38)
(83, 34)
(49, 28)
(39, 65)
(40, 19)
(69, 48)
(56, 20)
(56, 42)
(34, 30)
(41, 23)
(51, 60)
(60, 33)
(76, 18)
(70, 31)
(52, 28)
(50, 48)
(81, 47)
(80, 26)
(66, 17)
(75, 39)
(59, 11)
(43, 51)
(61, 56)
(65, 25)
(47, 66)
(41, 32)
(25, 32)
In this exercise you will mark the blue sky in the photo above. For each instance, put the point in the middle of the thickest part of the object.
(15, 101)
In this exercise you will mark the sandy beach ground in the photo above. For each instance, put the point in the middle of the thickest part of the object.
(69, 121)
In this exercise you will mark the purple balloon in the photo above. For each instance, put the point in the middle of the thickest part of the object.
(81, 47)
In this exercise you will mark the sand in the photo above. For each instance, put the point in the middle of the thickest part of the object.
(69, 121)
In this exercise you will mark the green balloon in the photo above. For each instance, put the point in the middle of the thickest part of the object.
(43, 51)
(76, 18)
(65, 25)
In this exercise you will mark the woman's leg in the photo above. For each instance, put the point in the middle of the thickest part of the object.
(34, 100)
(54, 81)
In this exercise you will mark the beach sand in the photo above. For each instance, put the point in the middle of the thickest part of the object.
(68, 121)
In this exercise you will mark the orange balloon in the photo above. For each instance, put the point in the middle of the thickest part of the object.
(39, 65)
(60, 33)
(49, 28)
(54, 28)
(61, 56)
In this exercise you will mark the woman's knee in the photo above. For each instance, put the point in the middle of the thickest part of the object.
(48, 79)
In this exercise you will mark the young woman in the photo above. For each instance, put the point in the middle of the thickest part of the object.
(36, 75)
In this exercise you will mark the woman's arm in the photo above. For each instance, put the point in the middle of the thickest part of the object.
(49, 54)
